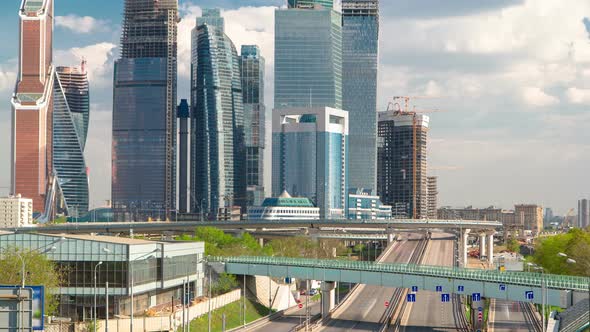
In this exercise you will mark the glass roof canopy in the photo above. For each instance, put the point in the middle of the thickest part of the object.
(33, 5)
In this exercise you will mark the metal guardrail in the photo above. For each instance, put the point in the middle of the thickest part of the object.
(577, 325)
(530, 317)
(511, 278)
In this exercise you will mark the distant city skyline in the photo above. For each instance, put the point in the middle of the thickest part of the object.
(509, 102)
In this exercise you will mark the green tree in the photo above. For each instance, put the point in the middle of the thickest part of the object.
(225, 283)
(39, 271)
(513, 245)
(575, 243)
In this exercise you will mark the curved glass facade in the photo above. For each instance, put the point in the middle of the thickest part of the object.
(217, 145)
(360, 51)
(71, 106)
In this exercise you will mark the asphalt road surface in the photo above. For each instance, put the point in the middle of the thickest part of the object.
(428, 313)
(507, 316)
(365, 309)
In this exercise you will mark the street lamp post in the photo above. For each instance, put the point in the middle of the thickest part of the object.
(94, 312)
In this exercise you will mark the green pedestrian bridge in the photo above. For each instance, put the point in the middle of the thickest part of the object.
(514, 286)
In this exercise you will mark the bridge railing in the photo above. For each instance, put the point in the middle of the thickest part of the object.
(515, 278)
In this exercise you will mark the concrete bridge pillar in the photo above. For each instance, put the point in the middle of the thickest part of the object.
(328, 297)
(261, 242)
(491, 248)
(390, 237)
(482, 244)
(463, 244)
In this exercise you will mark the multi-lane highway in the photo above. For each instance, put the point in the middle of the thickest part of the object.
(365, 310)
(507, 316)
(429, 313)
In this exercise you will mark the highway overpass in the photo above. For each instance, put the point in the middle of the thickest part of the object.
(514, 286)
(189, 226)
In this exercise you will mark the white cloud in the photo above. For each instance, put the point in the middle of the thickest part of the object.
(81, 24)
(578, 96)
(536, 97)
(99, 59)
(7, 79)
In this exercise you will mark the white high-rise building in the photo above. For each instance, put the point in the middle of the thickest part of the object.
(16, 211)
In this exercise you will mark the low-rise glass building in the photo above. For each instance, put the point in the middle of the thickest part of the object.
(154, 272)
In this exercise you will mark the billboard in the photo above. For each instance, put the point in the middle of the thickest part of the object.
(12, 299)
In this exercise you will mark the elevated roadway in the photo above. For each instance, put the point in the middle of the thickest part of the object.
(429, 313)
(189, 226)
(507, 316)
(365, 310)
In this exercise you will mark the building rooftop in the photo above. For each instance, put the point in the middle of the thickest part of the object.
(285, 200)
(33, 5)
(104, 238)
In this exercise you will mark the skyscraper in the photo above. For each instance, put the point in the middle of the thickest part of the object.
(308, 56)
(310, 148)
(32, 104)
(310, 3)
(184, 115)
(402, 162)
(583, 213)
(71, 112)
(432, 198)
(360, 52)
(217, 145)
(252, 67)
(144, 112)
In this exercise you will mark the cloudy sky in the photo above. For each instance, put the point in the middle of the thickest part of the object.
(512, 76)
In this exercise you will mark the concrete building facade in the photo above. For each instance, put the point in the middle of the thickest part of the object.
(432, 194)
(402, 162)
(363, 204)
(16, 211)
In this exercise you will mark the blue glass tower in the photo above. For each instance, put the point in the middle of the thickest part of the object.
(310, 157)
(144, 113)
(71, 112)
(217, 146)
(308, 57)
(252, 69)
(360, 51)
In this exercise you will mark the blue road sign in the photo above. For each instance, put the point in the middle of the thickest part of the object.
(445, 297)
(529, 295)
(480, 309)
(411, 297)
(460, 288)
(502, 287)
(414, 289)
(439, 288)
(476, 297)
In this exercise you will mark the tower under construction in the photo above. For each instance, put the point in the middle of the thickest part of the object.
(402, 163)
(144, 112)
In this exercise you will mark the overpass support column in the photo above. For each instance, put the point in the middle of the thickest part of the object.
(464, 237)
(482, 244)
(390, 237)
(328, 297)
(491, 248)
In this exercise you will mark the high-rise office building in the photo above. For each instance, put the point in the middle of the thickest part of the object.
(308, 56)
(217, 145)
(360, 52)
(252, 67)
(402, 162)
(583, 213)
(432, 196)
(71, 113)
(529, 217)
(310, 151)
(184, 115)
(144, 112)
(32, 104)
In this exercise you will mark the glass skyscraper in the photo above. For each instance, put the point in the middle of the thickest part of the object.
(217, 146)
(360, 51)
(71, 107)
(310, 3)
(308, 57)
(310, 152)
(252, 68)
(144, 112)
